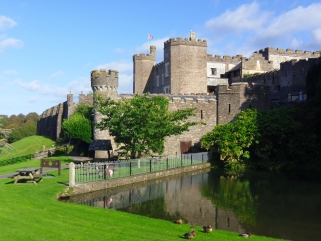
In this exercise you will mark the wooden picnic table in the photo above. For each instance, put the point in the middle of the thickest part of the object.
(28, 174)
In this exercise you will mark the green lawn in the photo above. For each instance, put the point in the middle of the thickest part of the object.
(32, 212)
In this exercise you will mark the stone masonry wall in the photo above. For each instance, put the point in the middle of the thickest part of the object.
(231, 100)
(280, 55)
(143, 66)
(205, 112)
(188, 65)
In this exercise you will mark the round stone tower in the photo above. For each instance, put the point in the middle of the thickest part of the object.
(105, 84)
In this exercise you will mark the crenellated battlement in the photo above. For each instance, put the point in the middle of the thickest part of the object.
(143, 57)
(151, 56)
(195, 98)
(159, 64)
(224, 59)
(104, 73)
(186, 41)
(104, 82)
(288, 52)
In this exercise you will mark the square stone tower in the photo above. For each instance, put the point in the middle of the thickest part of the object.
(185, 65)
(183, 70)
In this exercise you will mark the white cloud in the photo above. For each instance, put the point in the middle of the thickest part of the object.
(45, 89)
(6, 23)
(245, 17)
(294, 21)
(251, 27)
(316, 35)
(10, 42)
(57, 74)
(79, 85)
(296, 43)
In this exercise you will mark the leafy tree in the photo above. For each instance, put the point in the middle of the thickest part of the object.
(86, 110)
(233, 140)
(77, 127)
(141, 124)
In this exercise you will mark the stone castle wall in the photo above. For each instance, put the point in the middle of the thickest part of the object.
(232, 99)
(49, 123)
(289, 79)
(280, 55)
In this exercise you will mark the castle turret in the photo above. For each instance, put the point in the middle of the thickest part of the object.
(185, 65)
(104, 83)
(143, 66)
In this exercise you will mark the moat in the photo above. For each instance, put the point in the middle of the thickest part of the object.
(262, 204)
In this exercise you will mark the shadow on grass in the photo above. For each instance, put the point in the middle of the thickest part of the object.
(63, 183)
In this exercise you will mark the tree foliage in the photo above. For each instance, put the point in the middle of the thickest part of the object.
(20, 126)
(86, 110)
(141, 124)
(77, 127)
(232, 140)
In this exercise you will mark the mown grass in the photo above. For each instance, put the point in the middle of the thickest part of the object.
(32, 212)
(28, 145)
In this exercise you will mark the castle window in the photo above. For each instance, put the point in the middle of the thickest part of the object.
(166, 69)
(229, 108)
(214, 71)
(236, 73)
(157, 81)
(162, 79)
(201, 114)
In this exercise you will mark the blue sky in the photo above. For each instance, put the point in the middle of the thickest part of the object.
(48, 48)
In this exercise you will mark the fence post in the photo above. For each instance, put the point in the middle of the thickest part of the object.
(130, 168)
(150, 165)
(202, 157)
(104, 171)
(181, 159)
(167, 163)
(71, 174)
(191, 159)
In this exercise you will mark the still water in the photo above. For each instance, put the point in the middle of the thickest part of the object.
(262, 204)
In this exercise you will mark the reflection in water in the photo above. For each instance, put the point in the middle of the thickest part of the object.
(262, 205)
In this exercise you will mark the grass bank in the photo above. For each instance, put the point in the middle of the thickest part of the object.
(33, 212)
(25, 146)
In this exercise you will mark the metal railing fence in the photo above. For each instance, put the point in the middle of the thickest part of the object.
(97, 171)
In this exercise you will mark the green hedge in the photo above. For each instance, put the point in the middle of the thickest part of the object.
(15, 160)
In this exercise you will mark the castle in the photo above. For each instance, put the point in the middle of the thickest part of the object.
(218, 87)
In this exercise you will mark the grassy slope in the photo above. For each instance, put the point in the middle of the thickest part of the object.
(27, 146)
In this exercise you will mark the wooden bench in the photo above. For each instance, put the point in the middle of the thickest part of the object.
(51, 164)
